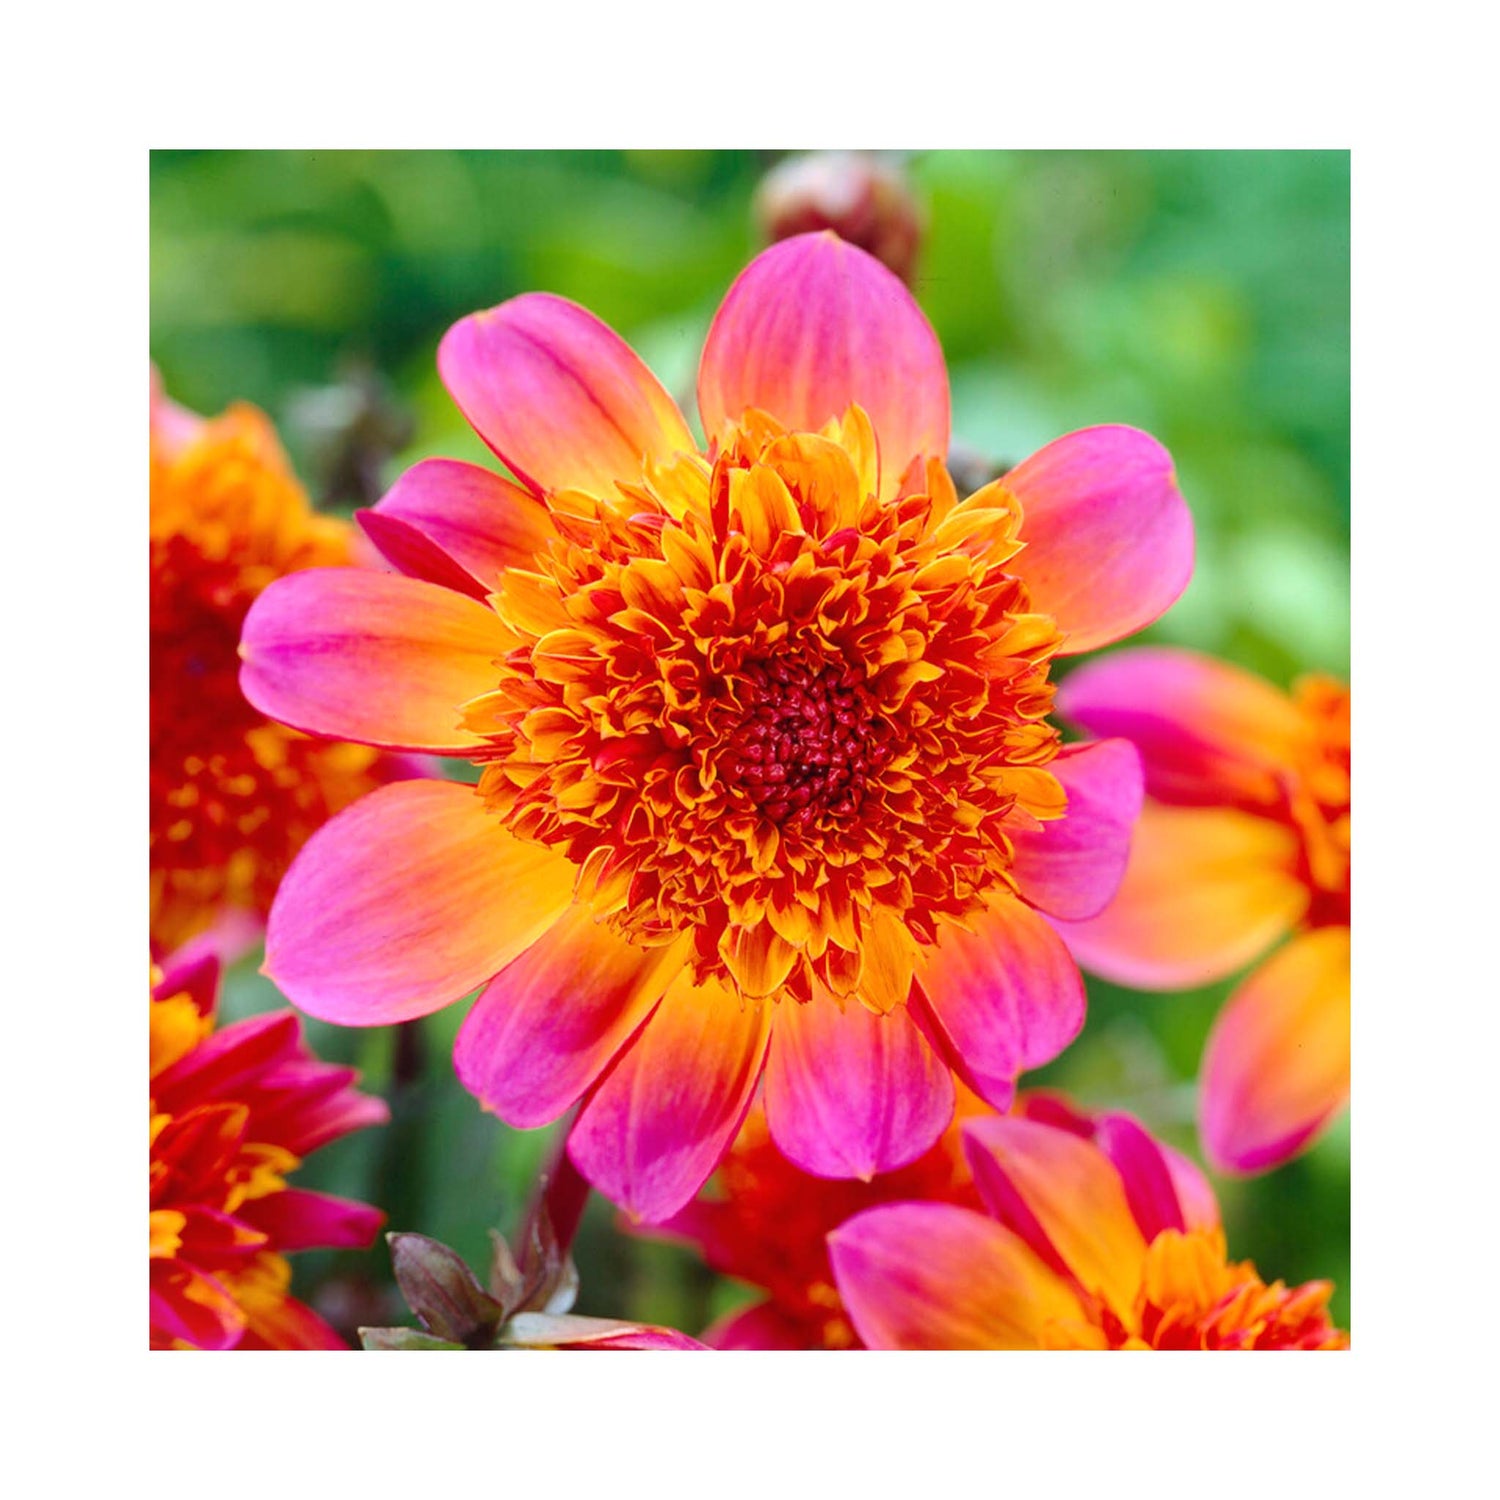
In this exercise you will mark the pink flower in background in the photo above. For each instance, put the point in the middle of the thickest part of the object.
(768, 784)
(1243, 841)
(1095, 1237)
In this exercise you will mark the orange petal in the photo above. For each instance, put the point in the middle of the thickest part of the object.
(1064, 1197)
(370, 657)
(406, 901)
(1207, 889)
(1277, 1063)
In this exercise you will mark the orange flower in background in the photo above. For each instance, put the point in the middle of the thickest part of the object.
(233, 796)
(764, 1220)
(233, 1112)
(1094, 1237)
(1244, 839)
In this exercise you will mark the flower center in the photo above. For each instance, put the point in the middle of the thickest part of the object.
(809, 740)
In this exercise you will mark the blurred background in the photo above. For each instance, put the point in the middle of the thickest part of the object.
(1203, 296)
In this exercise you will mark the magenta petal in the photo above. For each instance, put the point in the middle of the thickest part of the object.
(1006, 996)
(458, 525)
(1071, 868)
(371, 657)
(405, 902)
(1109, 541)
(569, 1331)
(296, 1219)
(814, 325)
(551, 1020)
(1208, 732)
(667, 1111)
(1150, 1189)
(849, 1093)
(762, 1325)
(560, 397)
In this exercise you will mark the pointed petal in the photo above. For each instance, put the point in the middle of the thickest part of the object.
(296, 1219)
(850, 1094)
(1144, 1172)
(1062, 1195)
(669, 1108)
(406, 901)
(813, 325)
(1109, 541)
(458, 525)
(1007, 996)
(1276, 1067)
(1208, 732)
(1206, 890)
(551, 1020)
(931, 1276)
(1073, 866)
(560, 397)
(370, 657)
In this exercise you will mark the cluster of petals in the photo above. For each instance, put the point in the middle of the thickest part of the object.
(767, 783)
(1094, 1236)
(233, 796)
(233, 1112)
(1243, 840)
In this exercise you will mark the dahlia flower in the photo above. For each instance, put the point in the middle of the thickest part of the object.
(763, 1220)
(233, 797)
(233, 1112)
(1244, 839)
(1095, 1237)
(767, 783)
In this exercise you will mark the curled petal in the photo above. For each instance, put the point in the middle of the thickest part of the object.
(1073, 866)
(549, 1023)
(1145, 1173)
(850, 1094)
(1064, 1197)
(362, 935)
(932, 1276)
(814, 325)
(1206, 890)
(654, 1129)
(1276, 1067)
(458, 525)
(296, 1219)
(1006, 996)
(1109, 541)
(1208, 732)
(560, 397)
(370, 657)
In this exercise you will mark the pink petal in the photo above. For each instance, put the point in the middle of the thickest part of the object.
(932, 1276)
(1150, 1188)
(561, 398)
(762, 1325)
(1072, 867)
(849, 1093)
(1208, 732)
(370, 657)
(551, 1020)
(458, 525)
(1109, 542)
(668, 1110)
(1206, 890)
(296, 1219)
(814, 325)
(1007, 996)
(406, 901)
(1276, 1067)
(1064, 1197)
(569, 1331)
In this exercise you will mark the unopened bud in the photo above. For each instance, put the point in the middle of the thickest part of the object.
(864, 199)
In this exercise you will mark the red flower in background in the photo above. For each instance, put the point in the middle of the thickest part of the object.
(233, 796)
(233, 1112)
